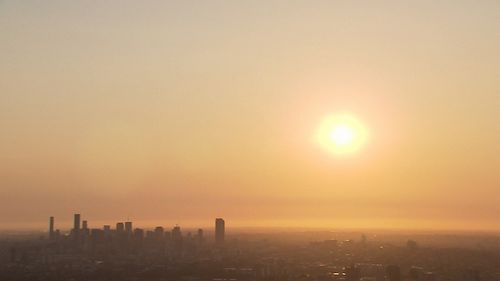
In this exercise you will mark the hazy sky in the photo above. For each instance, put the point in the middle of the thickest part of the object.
(180, 111)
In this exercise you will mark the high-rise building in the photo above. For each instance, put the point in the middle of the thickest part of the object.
(128, 227)
(51, 228)
(159, 233)
(76, 222)
(85, 231)
(219, 230)
(176, 241)
(107, 230)
(120, 227)
(76, 227)
(176, 234)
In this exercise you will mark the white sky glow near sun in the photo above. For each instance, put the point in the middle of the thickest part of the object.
(342, 134)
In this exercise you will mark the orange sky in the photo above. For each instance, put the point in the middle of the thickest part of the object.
(179, 112)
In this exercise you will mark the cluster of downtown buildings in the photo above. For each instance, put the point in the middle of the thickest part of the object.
(126, 237)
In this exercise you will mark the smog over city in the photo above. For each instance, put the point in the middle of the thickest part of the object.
(218, 140)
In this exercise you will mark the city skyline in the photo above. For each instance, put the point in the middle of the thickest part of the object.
(123, 226)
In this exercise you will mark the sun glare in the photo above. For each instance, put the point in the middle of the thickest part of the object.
(342, 134)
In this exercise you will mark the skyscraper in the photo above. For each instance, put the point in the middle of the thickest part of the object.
(219, 230)
(76, 227)
(176, 234)
(120, 228)
(176, 240)
(159, 233)
(107, 230)
(51, 228)
(128, 227)
(85, 231)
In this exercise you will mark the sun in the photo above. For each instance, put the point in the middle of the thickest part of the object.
(342, 134)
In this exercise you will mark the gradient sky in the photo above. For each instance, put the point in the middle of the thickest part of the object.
(181, 111)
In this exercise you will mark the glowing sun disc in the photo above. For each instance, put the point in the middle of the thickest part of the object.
(342, 134)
